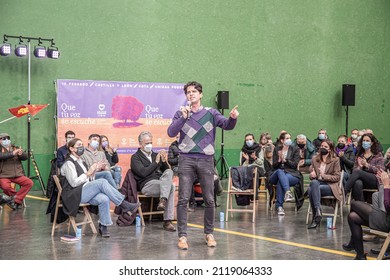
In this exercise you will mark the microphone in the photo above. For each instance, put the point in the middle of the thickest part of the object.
(189, 113)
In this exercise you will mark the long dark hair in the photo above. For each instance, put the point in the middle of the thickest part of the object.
(71, 144)
(374, 146)
(331, 155)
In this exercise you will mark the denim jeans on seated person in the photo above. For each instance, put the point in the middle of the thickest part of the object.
(116, 172)
(106, 175)
(99, 192)
(283, 182)
(316, 190)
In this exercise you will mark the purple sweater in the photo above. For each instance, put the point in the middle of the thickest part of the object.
(197, 133)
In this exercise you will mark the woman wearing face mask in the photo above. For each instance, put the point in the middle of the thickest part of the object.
(81, 186)
(324, 175)
(368, 162)
(285, 161)
(113, 159)
(250, 150)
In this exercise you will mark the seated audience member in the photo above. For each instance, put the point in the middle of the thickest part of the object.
(250, 150)
(353, 140)
(80, 186)
(387, 160)
(11, 171)
(154, 176)
(306, 152)
(368, 162)
(93, 154)
(113, 159)
(380, 148)
(375, 216)
(173, 155)
(62, 151)
(277, 142)
(268, 152)
(322, 135)
(325, 177)
(346, 155)
(285, 174)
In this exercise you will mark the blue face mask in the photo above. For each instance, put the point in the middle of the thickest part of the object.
(6, 142)
(249, 143)
(288, 142)
(94, 144)
(366, 145)
(321, 136)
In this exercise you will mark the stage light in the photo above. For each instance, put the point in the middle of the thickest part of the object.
(53, 53)
(21, 50)
(40, 52)
(5, 50)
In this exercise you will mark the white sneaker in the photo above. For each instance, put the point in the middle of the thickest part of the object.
(280, 211)
(236, 189)
(288, 197)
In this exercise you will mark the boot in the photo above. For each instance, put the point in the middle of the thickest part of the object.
(349, 246)
(361, 257)
(317, 217)
(129, 208)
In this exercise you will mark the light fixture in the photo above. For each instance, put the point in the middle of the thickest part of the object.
(53, 52)
(21, 50)
(40, 51)
(5, 49)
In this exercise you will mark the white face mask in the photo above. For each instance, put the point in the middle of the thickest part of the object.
(148, 148)
(94, 144)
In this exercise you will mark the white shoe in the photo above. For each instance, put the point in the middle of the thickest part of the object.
(280, 211)
(288, 197)
(236, 189)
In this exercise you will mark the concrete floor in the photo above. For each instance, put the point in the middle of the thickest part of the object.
(25, 235)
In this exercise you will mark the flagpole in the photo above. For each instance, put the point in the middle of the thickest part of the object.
(6, 120)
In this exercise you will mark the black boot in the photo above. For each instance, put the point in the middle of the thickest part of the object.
(361, 257)
(349, 246)
(317, 217)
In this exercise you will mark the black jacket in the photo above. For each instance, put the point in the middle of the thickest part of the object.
(173, 154)
(144, 170)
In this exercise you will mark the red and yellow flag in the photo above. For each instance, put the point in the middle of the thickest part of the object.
(25, 109)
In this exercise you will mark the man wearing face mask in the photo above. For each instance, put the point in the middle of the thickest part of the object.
(154, 177)
(63, 150)
(93, 154)
(306, 152)
(320, 138)
(11, 171)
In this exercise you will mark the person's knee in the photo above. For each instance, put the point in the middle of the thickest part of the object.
(358, 184)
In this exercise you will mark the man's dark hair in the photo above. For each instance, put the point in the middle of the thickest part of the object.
(93, 135)
(69, 132)
(196, 85)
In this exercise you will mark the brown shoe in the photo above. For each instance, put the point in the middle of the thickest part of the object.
(210, 241)
(168, 226)
(182, 244)
(162, 205)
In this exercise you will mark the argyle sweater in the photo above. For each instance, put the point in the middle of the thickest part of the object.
(197, 133)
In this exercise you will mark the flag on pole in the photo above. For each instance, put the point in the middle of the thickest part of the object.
(25, 109)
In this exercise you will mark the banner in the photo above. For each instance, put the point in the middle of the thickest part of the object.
(118, 110)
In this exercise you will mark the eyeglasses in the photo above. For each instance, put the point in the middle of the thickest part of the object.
(5, 138)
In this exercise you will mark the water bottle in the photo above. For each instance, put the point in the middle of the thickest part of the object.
(221, 216)
(329, 222)
(137, 221)
(78, 232)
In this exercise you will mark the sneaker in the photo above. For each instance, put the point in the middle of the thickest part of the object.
(236, 189)
(182, 244)
(370, 237)
(280, 211)
(103, 230)
(288, 197)
(4, 199)
(210, 241)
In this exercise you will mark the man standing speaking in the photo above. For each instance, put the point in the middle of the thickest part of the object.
(197, 125)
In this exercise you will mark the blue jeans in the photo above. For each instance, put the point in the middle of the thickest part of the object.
(283, 181)
(316, 190)
(116, 173)
(203, 169)
(99, 192)
(106, 175)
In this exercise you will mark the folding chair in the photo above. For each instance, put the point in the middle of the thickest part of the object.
(385, 245)
(338, 205)
(149, 213)
(71, 221)
(231, 195)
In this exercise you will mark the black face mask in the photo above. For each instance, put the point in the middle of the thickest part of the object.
(323, 151)
(341, 145)
(301, 146)
(80, 151)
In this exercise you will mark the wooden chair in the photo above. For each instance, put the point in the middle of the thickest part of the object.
(338, 205)
(71, 221)
(149, 213)
(231, 195)
(385, 245)
(349, 195)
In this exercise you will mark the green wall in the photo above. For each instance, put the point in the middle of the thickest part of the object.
(284, 62)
